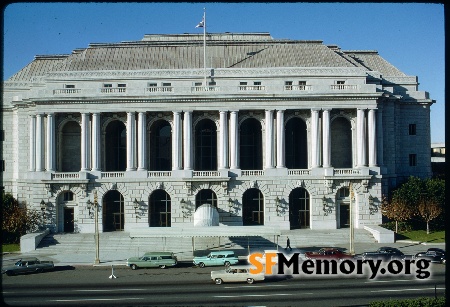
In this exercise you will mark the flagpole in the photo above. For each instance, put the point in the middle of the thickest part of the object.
(204, 43)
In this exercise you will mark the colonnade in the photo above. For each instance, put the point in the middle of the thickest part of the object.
(367, 132)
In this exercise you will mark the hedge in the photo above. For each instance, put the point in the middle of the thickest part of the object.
(417, 302)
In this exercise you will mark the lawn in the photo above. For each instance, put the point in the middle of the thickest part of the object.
(8, 248)
(422, 236)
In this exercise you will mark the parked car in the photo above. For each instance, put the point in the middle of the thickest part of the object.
(435, 255)
(225, 258)
(385, 254)
(153, 259)
(236, 273)
(27, 265)
(328, 253)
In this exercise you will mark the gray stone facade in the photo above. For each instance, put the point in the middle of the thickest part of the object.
(281, 134)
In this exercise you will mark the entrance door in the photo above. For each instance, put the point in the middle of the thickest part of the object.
(113, 211)
(344, 215)
(68, 219)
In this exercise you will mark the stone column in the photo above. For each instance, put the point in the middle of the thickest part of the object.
(176, 141)
(187, 140)
(96, 142)
(326, 138)
(50, 165)
(371, 126)
(32, 132)
(85, 141)
(234, 140)
(142, 141)
(269, 139)
(361, 137)
(379, 128)
(131, 141)
(315, 139)
(280, 139)
(39, 142)
(223, 140)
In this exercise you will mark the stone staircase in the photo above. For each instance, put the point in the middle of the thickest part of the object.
(120, 243)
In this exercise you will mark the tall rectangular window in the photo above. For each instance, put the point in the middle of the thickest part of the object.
(412, 129)
(412, 159)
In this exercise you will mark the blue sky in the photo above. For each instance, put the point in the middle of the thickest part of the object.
(408, 35)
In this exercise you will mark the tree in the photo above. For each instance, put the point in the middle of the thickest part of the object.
(429, 210)
(422, 197)
(16, 219)
(397, 210)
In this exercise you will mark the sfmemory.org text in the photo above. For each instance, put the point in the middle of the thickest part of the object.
(290, 264)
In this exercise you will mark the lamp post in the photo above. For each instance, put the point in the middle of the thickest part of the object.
(43, 207)
(277, 204)
(352, 231)
(94, 205)
(136, 207)
(230, 204)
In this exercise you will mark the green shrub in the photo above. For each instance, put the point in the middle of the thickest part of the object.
(417, 302)
(402, 226)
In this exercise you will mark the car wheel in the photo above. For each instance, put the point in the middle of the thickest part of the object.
(250, 280)
(133, 267)
(218, 281)
(40, 270)
(9, 273)
(227, 264)
(201, 264)
(163, 266)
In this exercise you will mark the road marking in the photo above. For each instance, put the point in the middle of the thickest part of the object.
(372, 281)
(108, 290)
(278, 294)
(254, 286)
(400, 290)
(98, 299)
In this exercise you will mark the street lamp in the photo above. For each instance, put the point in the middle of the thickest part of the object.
(94, 205)
(136, 207)
(230, 204)
(277, 203)
(43, 207)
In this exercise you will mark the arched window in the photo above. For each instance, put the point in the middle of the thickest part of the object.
(70, 149)
(160, 209)
(205, 145)
(205, 196)
(296, 147)
(113, 211)
(160, 146)
(341, 143)
(253, 208)
(250, 140)
(299, 209)
(115, 147)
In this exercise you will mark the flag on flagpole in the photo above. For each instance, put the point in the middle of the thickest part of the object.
(201, 23)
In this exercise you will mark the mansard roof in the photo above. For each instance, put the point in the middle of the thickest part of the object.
(224, 50)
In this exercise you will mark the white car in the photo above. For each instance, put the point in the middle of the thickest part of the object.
(236, 273)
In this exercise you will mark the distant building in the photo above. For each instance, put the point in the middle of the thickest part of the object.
(276, 133)
(438, 159)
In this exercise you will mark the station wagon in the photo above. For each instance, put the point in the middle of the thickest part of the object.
(225, 258)
(153, 259)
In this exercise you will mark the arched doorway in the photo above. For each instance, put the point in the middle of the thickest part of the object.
(250, 144)
(113, 211)
(341, 143)
(205, 145)
(299, 209)
(296, 144)
(66, 212)
(160, 147)
(160, 209)
(115, 147)
(70, 147)
(343, 208)
(205, 196)
(253, 208)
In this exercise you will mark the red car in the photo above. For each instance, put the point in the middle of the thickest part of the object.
(328, 253)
